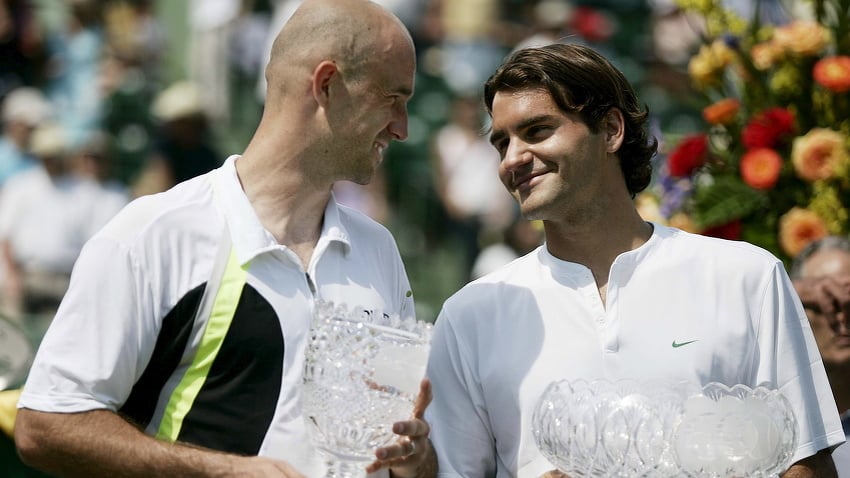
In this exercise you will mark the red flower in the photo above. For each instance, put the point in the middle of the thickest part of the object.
(833, 73)
(690, 154)
(760, 168)
(768, 128)
(592, 24)
(731, 231)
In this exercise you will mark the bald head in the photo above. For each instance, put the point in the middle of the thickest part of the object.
(348, 32)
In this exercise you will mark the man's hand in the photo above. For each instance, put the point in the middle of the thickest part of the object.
(412, 456)
(829, 295)
(554, 474)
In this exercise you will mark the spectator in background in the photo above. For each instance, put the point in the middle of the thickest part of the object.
(471, 44)
(47, 213)
(211, 23)
(133, 31)
(93, 163)
(127, 94)
(521, 237)
(821, 275)
(74, 58)
(184, 148)
(548, 23)
(23, 109)
(21, 46)
(475, 202)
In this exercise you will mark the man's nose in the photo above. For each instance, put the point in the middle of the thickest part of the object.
(398, 123)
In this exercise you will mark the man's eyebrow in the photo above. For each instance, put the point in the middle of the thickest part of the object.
(497, 135)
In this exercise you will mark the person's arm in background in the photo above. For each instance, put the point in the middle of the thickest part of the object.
(101, 443)
(819, 465)
(12, 294)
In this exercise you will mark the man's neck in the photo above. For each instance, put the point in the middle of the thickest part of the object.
(287, 205)
(597, 244)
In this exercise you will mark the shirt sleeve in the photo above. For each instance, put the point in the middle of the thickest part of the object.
(789, 359)
(101, 338)
(457, 415)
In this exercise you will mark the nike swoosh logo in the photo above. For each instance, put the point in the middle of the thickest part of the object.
(680, 344)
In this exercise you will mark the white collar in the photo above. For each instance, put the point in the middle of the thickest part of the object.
(250, 238)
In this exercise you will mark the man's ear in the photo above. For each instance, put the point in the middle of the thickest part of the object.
(615, 129)
(323, 75)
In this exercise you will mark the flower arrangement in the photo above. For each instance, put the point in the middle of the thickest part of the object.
(772, 165)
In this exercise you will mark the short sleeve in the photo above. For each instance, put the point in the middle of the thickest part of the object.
(457, 415)
(101, 338)
(789, 360)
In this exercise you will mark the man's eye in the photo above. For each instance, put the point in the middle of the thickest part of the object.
(538, 131)
(501, 147)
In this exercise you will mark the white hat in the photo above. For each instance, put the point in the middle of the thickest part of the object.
(179, 100)
(26, 104)
(48, 140)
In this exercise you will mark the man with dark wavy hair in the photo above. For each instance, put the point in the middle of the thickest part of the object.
(609, 295)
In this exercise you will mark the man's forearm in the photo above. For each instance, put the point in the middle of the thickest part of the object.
(819, 465)
(101, 443)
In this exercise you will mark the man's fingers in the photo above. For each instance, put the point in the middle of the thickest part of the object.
(414, 441)
(393, 454)
(412, 428)
(423, 399)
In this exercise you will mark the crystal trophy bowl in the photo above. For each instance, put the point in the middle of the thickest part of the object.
(361, 375)
(735, 431)
(662, 429)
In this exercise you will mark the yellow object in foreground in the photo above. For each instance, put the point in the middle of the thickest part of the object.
(8, 410)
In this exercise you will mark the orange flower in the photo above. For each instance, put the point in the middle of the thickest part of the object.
(760, 168)
(819, 154)
(721, 112)
(797, 228)
(765, 55)
(833, 73)
(804, 38)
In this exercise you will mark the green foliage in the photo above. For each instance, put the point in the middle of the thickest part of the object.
(726, 200)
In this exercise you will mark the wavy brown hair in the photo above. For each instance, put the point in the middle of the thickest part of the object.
(583, 82)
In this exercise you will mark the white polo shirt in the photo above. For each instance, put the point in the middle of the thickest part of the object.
(124, 333)
(680, 307)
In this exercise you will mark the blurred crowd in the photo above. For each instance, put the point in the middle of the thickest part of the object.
(92, 118)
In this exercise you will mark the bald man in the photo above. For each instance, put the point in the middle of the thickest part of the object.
(179, 348)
